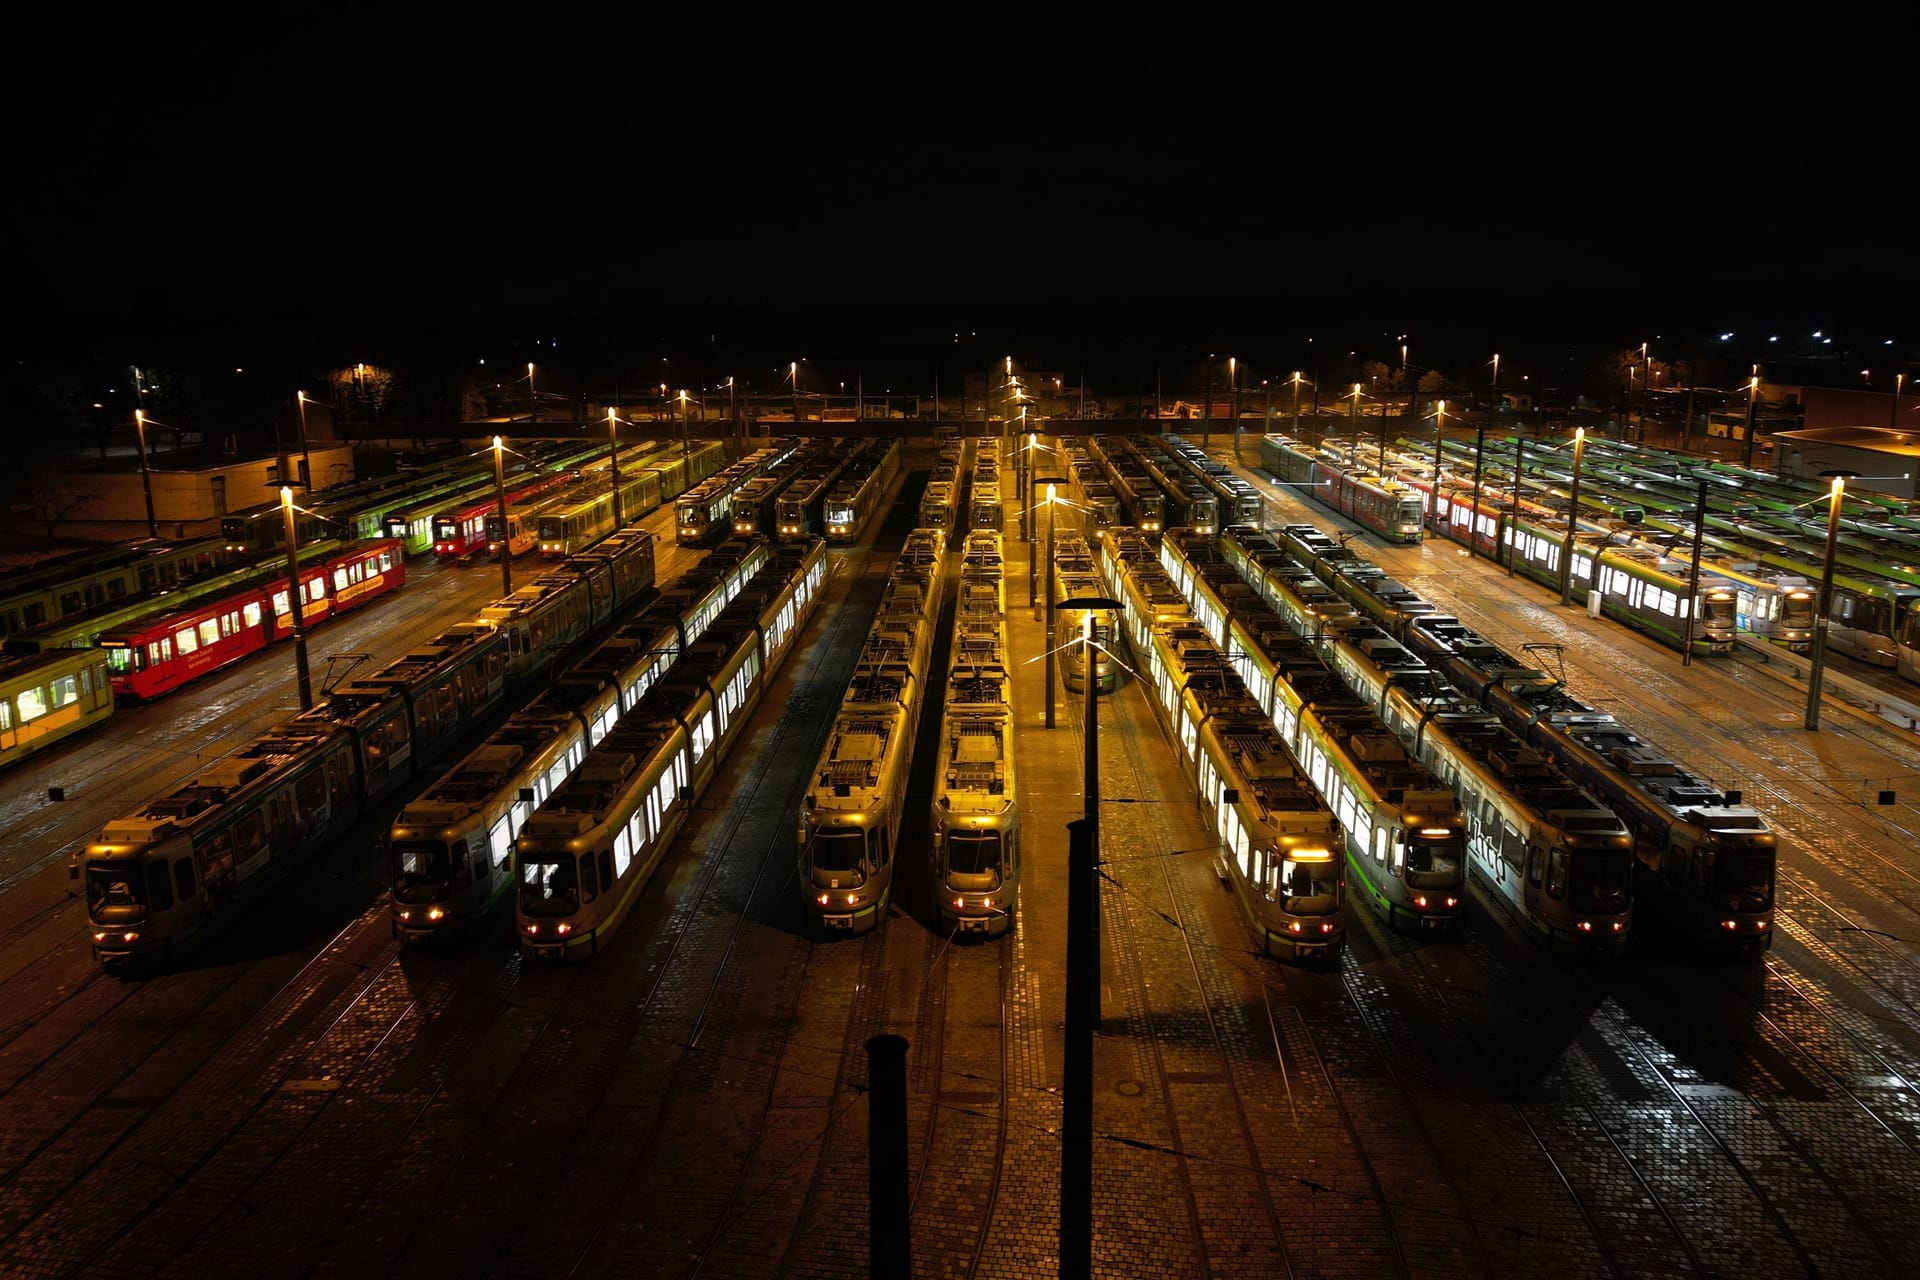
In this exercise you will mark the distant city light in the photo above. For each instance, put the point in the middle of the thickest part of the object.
(1773, 339)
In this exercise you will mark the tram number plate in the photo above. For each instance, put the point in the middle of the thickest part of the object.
(837, 922)
(1432, 922)
(973, 924)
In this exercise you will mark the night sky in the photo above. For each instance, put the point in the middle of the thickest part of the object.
(344, 182)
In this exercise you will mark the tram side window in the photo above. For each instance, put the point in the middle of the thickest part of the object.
(1557, 873)
(159, 887)
(310, 789)
(249, 836)
(210, 631)
(1535, 865)
(185, 641)
(183, 878)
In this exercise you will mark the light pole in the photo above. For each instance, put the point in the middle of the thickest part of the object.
(1353, 413)
(686, 439)
(1439, 437)
(1206, 419)
(500, 500)
(1051, 482)
(1494, 386)
(1479, 449)
(1513, 503)
(533, 405)
(1893, 412)
(1296, 404)
(1693, 578)
(793, 372)
(1646, 387)
(1233, 401)
(733, 408)
(1825, 620)
(146, 474)
(301, 674)
(1573, 514)
(1083, 983)
(1753, 385)
(613, 464)
(306, 457)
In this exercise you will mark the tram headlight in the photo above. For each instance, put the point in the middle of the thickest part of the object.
(1293, 926)
(1584, 926)
(435, 915)
(1420, 900)
(563, 928)
(823, 899)
(1727, 925)
(1618, 926)
(1453, 902)
(532, 928)
(405, 916)
(959, 904)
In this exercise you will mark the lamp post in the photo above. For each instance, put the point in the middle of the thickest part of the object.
(1296, 404)
(1893, 411)
(1513, 502)
(301, 674)
(1439, 437)
(533, 405)
(733, 408)
(1693, 577)
(1479, 449)
(686, 438)
(1494, 386)
(793, 372)
(1753, 385)
(1233, 401)
(1206, 419)
(1573, 515)
(146, 474)
(613, 464)
(1353, 412)
(1646, 386)
(1821, 623)
(500, 501)
(306, 457)
(1052, 483)
(1083, 983)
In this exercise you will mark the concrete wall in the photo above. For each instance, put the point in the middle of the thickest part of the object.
(1883, 472)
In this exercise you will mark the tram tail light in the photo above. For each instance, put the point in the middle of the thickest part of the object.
(1585, 926)
(1727, 925)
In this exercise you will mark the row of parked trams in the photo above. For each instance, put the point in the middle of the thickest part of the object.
(1337, 730)
(1761, 539)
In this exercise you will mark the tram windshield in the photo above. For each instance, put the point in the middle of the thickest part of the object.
(1719, 611)
(548, 888)
(838, 850)
(1743, 880)
(1796, 609)
(1310, 888)
(419, 863)
(1433, 862)
(1600, 883)
(974, 853)
(115, 893)
(445, 530)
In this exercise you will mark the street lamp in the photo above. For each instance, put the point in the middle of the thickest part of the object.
(1052, 483)
(1473, 534)
(146, 475)
(686, 438)
(1893, 411)
(1233, 401)
(1083, 980)
(613, 464)
(1573, 514)
(1753, 385)
(1693, 577)
(306, 457)
(301, 674)
(1439, 437)
(500, 501)
(1296, 404)
(1513, 504)
(533, 405)
(1825, 619)
(1353, 411)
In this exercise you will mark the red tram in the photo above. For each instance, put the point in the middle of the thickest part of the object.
(162, 651)
(462, 531)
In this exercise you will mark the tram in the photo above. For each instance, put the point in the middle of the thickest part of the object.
(704, 513)
(162, 879)
(862, 490)
(973, 844)
(587, 851)
(157, 654)
(849, 827)
(48, 697)
(1077, 577)
(1388, 507)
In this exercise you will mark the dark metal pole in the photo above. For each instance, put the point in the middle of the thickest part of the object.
(1076, 1082)
(1473, 534)
(1825, 619)
(613, 463)
(301, 674)
(889, 1253)
(306, 456)
(1693, 577)
(1049, 664)
(1513, 503)
(1439, 438)
(686, 439)
(1753, 385)
(146, 475)
(1206, 420)
(1573, 515)
(500, 500)
(1296, 404)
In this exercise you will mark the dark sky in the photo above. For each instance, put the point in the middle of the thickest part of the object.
(347, 174)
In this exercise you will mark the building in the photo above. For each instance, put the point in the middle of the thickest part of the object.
(1873, 457)
(188, 500)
